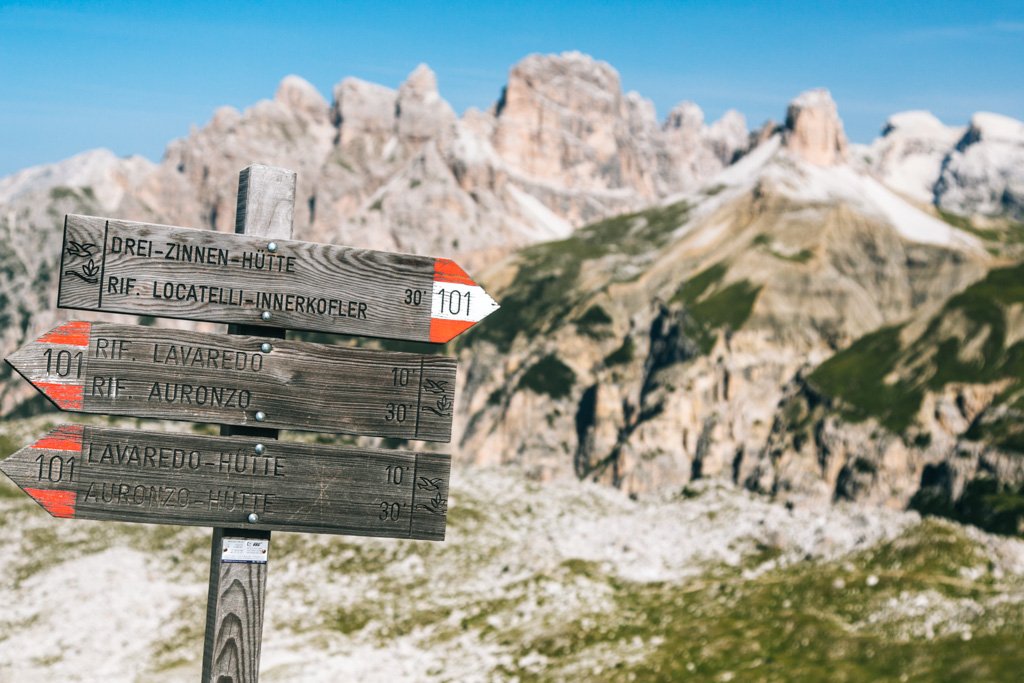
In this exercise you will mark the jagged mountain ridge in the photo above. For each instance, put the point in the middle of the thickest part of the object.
(663, 341)
(380, 168)
(967, 171)
(678, 340)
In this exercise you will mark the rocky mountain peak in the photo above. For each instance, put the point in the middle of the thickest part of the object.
(361, 107)
(988, 127)
(421, 84)
(685, 116)
(558, 112)
(908, 157)
(729, 136)
(917, 123)
(984, 174)
(566, 79)
(106, 176)
(813, 130)
(300, 96)
(641, 112)
(420, 111)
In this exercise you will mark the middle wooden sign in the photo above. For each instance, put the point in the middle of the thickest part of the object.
(239, 380)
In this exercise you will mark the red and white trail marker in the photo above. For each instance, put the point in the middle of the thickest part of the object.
(457, 303)
(254, 381)
(126, 267)
(79, 472)
(240, 380)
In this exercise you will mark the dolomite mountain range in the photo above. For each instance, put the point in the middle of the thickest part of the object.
(778, 307)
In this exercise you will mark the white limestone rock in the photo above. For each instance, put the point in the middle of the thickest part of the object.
(985, 173)
(909, 155)
(813, 131)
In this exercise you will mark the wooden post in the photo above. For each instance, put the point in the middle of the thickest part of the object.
(234, 610)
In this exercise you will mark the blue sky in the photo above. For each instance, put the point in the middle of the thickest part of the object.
(131, 76)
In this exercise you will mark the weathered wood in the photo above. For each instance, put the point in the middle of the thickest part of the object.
(234, 606)
(266, 202)
(84, 472)
(245, 483)
(125, 267)
(180, 375)
(237, 593)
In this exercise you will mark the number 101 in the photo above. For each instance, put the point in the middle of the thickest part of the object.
(452, 301)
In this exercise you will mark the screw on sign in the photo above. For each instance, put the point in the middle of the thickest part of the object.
(240, 380)
(83, 472)
(252, 381)
(125, 267)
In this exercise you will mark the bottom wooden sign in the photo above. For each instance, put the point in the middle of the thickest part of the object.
(233, 481)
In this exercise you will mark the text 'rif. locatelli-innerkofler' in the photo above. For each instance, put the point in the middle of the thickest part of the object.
(126, 267)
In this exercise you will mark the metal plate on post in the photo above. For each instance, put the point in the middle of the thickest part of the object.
(245, 550)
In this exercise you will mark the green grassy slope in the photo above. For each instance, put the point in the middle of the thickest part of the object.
(969, 341)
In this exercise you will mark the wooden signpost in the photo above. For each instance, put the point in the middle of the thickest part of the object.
(253, 381)
(83, 472)
(126, 267)
(240, 380)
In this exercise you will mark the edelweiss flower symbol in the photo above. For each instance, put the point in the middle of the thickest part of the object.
(443, 407)
(437, 505)
(90, 272)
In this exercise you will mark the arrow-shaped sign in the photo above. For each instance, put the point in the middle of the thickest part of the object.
(239, 380)
(125, 267)
(110, 474)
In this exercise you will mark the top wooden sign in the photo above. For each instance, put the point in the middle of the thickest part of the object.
(126, 267)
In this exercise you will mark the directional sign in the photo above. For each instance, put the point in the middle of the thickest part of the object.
(125, 267)
(111, 474)
(239, 380)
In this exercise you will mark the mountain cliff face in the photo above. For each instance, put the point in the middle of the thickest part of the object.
(397, 169)
(663, 341)
(813, 129)
(377, 168)
(681, 300)
(737, 333)
(925, 413)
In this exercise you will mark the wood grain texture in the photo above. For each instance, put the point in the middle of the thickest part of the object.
(188, 479)
(266, 202)
(234, 633)
(126, 267)
(180, 375)
(265, 208)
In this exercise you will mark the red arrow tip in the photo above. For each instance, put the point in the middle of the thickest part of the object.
(442, 331)
(63, 438)
(74, 333)
(446, 270)
(57, 503)
(66, 396)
